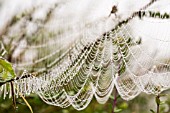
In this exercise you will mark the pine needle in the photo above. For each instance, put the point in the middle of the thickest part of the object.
(26, 102)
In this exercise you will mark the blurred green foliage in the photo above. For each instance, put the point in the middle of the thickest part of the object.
(141, 104)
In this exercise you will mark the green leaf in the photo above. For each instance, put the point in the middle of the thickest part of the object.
(162, 95)
(116, 110)
(162, 102)
(6, 71)
(152, 111)
(123, 105)
(112, 97)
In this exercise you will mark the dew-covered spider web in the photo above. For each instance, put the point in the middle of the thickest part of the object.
(69, 70)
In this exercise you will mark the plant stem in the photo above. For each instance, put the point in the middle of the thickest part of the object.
(114, 101)
(158, 104)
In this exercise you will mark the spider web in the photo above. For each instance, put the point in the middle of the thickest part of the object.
(93, 67)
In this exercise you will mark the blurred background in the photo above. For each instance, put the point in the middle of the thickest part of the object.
(141, 104)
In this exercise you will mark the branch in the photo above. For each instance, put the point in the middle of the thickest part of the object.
(131, 17)
(17, 78)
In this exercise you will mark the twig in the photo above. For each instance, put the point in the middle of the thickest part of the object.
(13, 95)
